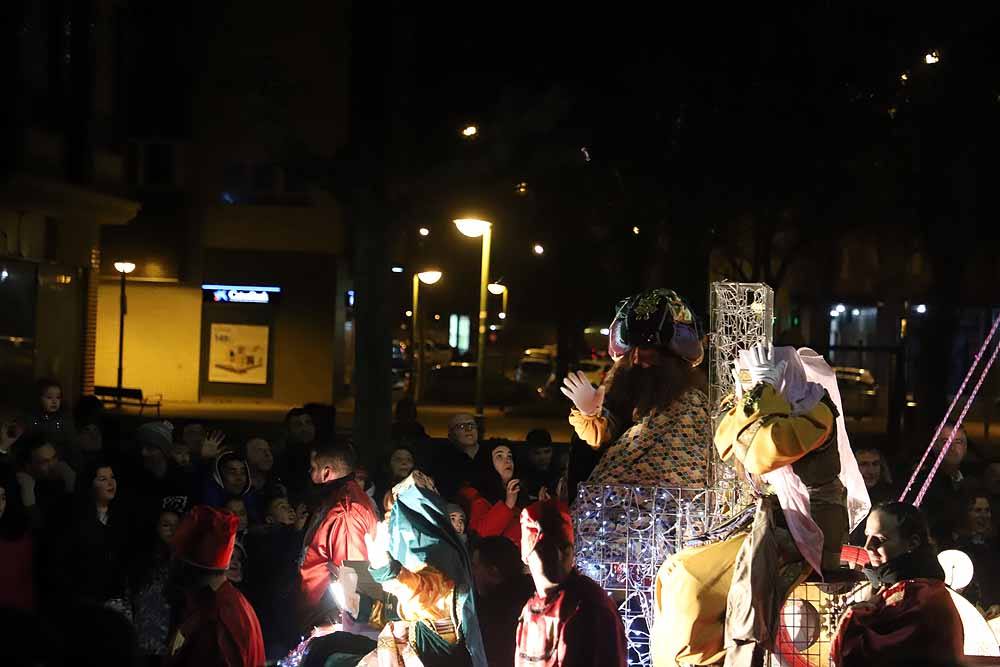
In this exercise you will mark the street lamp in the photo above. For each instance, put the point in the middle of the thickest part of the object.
(428, 278)
(474, 228)
(470, 131)
(423, 231)
(499, 289)
(539, 249)
(123, 268)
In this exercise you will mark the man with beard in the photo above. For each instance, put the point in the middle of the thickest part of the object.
(655, 386)
(217, 626)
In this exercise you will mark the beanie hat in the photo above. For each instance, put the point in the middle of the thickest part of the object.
(538, 437)
(205, 537)
(454, 508)
(159, 434)
(544, 520)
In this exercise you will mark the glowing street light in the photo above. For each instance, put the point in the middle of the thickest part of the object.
(428, 277)
(123, 268)
(932, 58)
(502, 315)
(522, 188)
(475, 228)
(397, 269)
(922, 308)
(635, 230)
(470, 131)
(496, 289)
(423, 231)
(539, 249)
(841, 308)
(500, 290)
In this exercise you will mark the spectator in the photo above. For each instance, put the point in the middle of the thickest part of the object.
(16, 563)
(10, 430)
(406, 430)
(150, 607)
(944, 496)
(569, 620)
(459, 464)
(878, 481)
(89, 436)
(216, 625)
(93, 547)
(458, 520)
(299, 439)
(491, 501)
(231, 480)
(540, 469)
(158, 480)
(238, 507)
(236, 572)
(502, 589)
(193, 435)
(400, 463)
(364, 480)
(260, 460)
(991, 485)
(43, 492)
(336, 530)
(921, 624)
(50, 418)
(324, 419)
(273, 584)
(977, 538)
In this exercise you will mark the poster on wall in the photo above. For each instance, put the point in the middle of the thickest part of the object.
(238, 353)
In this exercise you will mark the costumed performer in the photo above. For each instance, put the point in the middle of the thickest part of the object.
(570, 621)
(419, 559)
(784, 432)
(911, 618)
(655, 385)
(217, 625)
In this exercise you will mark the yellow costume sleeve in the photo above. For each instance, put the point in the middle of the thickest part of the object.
(595, 430)
(762, 434)
(422, 595)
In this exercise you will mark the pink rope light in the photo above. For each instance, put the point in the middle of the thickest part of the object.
(958, 425)
(954, 402)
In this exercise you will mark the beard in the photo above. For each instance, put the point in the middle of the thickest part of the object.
(636, 391)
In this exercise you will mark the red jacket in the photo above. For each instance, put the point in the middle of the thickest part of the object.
(909, 622)
(218, 629)
(576, 625)
(488, 520)
(338, 535)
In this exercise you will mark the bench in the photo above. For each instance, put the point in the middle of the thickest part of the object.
(128, 396)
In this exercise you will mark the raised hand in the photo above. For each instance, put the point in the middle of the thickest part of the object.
(513, 488)
(211, 446)
(378, 546)
(762, 366)
(577, 388)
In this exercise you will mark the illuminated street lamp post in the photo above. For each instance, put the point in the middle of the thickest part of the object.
(123, 268)
(500, 290)
(474, 228)
(427, 278)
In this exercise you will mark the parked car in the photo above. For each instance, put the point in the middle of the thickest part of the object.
(455, 383)
(858, 391)
(534, 371)
(595, 369)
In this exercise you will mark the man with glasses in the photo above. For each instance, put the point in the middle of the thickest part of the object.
(458, 463)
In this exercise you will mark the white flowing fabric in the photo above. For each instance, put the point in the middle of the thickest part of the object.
(806, 376)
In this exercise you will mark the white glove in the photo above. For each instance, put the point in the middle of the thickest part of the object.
(378, 546)
(762, 367)
(577, 388)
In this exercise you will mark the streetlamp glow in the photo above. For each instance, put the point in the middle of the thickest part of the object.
(429, 277)
(496, 289)
(124, 267)
(932, 58)
(470, 131)
(635, 230)
(539, 249)
(502, 315)
(472, 227)
(409, 313)
(423, 231)
(397, 269)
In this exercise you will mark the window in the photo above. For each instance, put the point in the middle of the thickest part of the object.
(458, 332)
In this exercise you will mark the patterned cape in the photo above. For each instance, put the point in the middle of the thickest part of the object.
(667, 447)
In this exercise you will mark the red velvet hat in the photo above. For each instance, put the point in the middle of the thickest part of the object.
(544, 520)
(205, 537)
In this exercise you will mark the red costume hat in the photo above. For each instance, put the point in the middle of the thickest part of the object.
(205, 537)
(544, 520)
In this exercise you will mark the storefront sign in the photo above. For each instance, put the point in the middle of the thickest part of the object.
(238, 353)
(240, 293)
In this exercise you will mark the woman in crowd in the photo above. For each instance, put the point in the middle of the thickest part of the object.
(491, 502)
(978, 539)
(400, 463)
(150, 607)
(94, 546)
